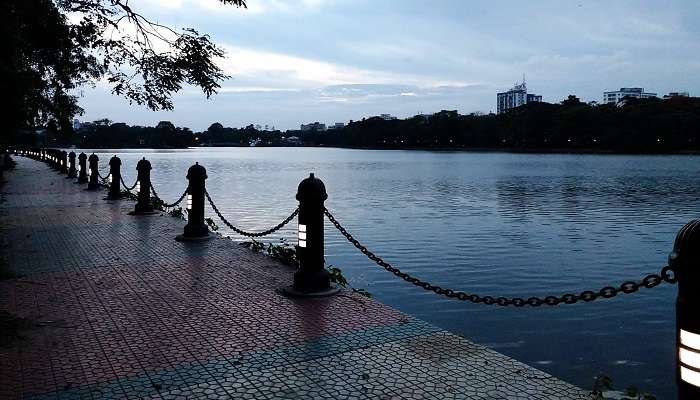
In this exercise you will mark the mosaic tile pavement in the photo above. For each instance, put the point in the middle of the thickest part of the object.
(95, 304)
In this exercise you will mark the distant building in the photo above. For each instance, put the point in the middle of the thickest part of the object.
(76, 124)
(316, 126)
(337, 125)
(634, 93)
(387, 117)
(676, 94)
(515, 97)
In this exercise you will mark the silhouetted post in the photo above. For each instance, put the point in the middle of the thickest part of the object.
(64, 162)
(114, 178)
(71, 165)
(195, 229)
(93, 175)
(311, 279)
(54, 159)
(82, 170)
(685, 259)
(143, 187)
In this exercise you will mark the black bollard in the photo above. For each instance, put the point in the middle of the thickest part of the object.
(312, 278)
(64, 162)
(114, 178)
(71, 165)
(143, 187)
(93, 173)
(195, 229)
(82, 168)
(685, 260)
(52, 159)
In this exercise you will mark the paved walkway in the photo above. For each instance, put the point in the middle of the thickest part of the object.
(95, 303)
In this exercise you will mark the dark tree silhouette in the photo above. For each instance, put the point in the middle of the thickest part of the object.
(46, 56)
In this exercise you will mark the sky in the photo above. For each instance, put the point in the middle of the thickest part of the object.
(300, 61)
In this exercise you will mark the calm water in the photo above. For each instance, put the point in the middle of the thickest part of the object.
(490, 223)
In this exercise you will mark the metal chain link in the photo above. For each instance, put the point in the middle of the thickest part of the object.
(128, 189)
(166, 205)
(251, 234)
(667, 274)
(104, 178)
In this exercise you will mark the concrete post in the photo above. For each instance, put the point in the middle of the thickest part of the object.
(63, 162)
(143, 187)
(195, 229)
(94, 174)
(685, 260)
(115, 178)
(82, 174)
(312, 278)
(71, 165)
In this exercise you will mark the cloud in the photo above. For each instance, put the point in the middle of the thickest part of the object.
(287, 71)
(255, 7)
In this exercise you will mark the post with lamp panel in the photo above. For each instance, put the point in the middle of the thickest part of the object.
(114, 178)
(82, 168)
(196, 229)
(64, 162)
(311, 279)
(685, 261)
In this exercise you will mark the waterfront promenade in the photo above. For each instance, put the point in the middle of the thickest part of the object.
(96, 303)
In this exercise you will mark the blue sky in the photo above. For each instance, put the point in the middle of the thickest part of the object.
(298, 61)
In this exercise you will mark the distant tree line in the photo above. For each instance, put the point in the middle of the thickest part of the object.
(638, 126)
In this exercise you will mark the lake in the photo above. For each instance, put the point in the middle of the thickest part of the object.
(489, 223)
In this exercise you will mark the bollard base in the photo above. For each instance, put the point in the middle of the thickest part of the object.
(289, 291)
(183, 238)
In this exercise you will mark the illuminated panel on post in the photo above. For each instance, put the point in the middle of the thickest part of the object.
(302, 235)
(690, 357)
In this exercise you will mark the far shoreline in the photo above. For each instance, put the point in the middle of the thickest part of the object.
(535, 150)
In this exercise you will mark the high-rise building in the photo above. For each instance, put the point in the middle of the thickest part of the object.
(515, 97)
(635, 93)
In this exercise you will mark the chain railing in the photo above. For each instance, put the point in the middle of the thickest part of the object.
(104, 178)
(667, 274)
(164, 204)
(250, 234)
(128, 189)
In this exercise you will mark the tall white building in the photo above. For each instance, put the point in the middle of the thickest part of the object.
(515, 97)
(635, 93)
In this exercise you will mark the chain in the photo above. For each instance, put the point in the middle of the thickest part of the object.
(128, 189)
(104, 178)
(667, 274)
(251, 234)
(166, 205)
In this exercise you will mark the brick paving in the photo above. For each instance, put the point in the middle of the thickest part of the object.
(108, 305)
